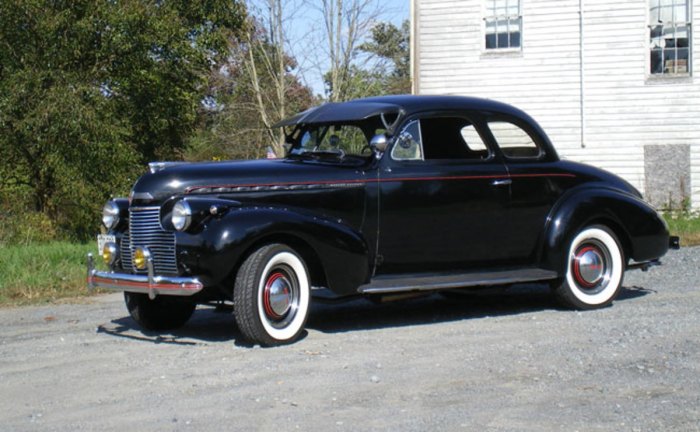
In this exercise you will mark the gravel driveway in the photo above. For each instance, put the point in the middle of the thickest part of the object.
(496, 361)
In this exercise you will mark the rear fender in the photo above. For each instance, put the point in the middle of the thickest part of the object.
(643, 234)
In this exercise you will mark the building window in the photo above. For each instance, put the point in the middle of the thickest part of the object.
(669, 33)
(503, 24)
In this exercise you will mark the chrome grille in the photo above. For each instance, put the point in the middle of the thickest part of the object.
(125, 247)
(145, 230)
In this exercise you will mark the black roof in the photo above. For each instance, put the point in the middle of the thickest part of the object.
(360, 109)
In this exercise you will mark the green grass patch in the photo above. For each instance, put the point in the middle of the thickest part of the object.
(687, 227)
(42, 272)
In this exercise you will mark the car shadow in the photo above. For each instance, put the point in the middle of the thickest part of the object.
(213, 325)
(207, 325)
(362, 314)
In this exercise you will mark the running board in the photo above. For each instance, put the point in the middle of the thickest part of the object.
(437, 281)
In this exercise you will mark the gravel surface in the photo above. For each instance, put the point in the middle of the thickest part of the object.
(499, 361)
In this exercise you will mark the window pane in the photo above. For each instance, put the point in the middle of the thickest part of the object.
(408, 144)
(656, 60)
(491, 41)
(503, 24)
(515, 40)
(473, 140)
(500, 7)
(513, 141)
(669, 34)
(513, 8)
(680, 14)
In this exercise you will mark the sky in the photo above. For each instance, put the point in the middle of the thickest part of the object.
(303, 26)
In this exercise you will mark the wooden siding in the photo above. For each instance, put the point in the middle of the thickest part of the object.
(624, 108)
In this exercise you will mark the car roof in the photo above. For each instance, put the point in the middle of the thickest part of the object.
(360, 109)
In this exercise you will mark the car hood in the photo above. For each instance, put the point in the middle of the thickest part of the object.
(154, 188)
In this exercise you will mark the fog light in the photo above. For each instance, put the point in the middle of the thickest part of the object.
(141, 256)
(110, 253)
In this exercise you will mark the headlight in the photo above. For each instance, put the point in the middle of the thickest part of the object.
(110, 215)
(182, 215)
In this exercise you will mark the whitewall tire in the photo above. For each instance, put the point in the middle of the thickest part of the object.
(272, 295)
(595, 269)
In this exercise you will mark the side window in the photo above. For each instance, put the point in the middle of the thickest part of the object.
(513, 141)
(452, 138)
(409, 145)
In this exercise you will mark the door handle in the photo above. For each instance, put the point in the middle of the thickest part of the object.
(501, 182)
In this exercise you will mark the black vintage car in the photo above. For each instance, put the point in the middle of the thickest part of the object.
(375, 197)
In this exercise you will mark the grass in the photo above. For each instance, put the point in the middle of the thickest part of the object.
(42, 272)
(686, 227)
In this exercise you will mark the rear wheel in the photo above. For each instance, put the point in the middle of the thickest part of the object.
(595, 268)
(161, 313)
(272, 295)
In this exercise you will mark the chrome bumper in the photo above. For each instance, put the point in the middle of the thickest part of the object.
(150, 284)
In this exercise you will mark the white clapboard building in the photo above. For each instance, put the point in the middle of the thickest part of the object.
(612, 82)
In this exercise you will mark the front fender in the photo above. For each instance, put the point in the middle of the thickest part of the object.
(219, 246)
(643, 234)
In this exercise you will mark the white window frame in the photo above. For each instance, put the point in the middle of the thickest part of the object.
(674, 25)
(509, 18)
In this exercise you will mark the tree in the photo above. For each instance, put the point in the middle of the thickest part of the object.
(270, 69)
(91, 90)
(258, 86)
(391, 45)
(346, 23)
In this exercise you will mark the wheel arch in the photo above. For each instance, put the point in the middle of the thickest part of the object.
(639, 229)
(308, 254)
(336, 255)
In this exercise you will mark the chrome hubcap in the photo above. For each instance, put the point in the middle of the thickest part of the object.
(591, 266)
(280, 297)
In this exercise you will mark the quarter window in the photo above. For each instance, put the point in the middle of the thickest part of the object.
(503, 24)
(473, 140)
(669, 34)
(408, 144)
(513, 141)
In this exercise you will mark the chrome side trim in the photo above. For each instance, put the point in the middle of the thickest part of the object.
(146, 284)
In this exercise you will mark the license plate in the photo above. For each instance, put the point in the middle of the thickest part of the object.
(103, 239)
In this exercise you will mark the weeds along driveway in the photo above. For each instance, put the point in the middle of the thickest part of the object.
(492, 362)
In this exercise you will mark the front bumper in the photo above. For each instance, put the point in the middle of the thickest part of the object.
(146, 284)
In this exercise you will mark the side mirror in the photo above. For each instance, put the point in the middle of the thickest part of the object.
(379, 143)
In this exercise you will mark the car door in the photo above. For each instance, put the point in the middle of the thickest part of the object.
(443, 196)
(537, 183)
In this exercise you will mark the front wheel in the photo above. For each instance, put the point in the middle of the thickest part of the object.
(595, 268)
(272, 295)
(161, 313)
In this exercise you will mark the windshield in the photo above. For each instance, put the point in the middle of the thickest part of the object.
(336, 141)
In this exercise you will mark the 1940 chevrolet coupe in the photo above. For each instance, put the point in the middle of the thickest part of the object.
(375, 197)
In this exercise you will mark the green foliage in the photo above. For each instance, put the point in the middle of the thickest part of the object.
(685, 225)
(392, 46)
(91, 90)
(391, 74)
(42, 272)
